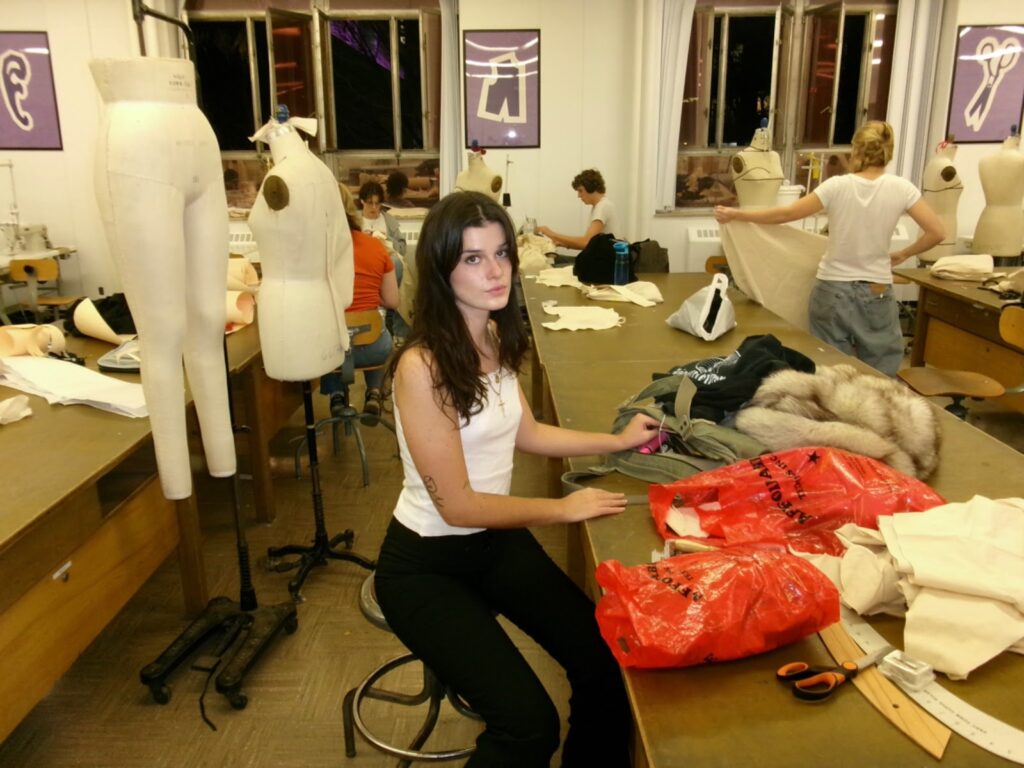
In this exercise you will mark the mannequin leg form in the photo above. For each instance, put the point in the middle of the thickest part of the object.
(322, 548)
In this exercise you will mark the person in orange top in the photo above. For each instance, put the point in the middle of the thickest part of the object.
(376, 285)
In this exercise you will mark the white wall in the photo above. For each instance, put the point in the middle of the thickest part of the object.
(55, 188)
(966, 12)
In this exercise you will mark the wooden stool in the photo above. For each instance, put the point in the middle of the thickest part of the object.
(432, 691)
(938, 382)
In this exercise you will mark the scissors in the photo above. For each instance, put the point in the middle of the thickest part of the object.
(818, 683)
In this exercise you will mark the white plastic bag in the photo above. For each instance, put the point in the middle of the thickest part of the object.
(708, 313)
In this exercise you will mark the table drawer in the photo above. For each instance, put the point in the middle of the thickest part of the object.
(974, 318)
(44, 631)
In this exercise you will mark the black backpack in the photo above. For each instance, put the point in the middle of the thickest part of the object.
(595, 264)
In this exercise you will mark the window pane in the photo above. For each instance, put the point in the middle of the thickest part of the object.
(432, 51)
(693, 131)
(822, 39)
(222, 60)
(409, 85)
(259, 33)
(361, 50)
(881, 66)
(748, 82)
(716, 47)
(703, 181)
(293, 68)
(849, 79)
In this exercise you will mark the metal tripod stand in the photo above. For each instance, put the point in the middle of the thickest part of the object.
(226, 620)
(323, 548)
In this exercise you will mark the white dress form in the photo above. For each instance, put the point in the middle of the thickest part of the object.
(160, 191)
(757, 172)
(306, 255)
(477, 177)
(941, 189)
(1000, 229)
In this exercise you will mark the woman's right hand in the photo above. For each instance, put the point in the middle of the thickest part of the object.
(592, 502)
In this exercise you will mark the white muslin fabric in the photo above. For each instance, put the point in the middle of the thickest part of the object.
(970, 266)
(555, 277)
(776, 266)
(581, 318)
(69, 384)
(14, 409)
(960, 569)
(639, 292)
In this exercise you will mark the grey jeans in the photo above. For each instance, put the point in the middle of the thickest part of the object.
(860, 320)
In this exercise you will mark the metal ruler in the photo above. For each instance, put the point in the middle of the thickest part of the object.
(987, 732)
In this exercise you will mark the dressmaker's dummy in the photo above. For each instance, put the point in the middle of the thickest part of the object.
(305, 248)
(1000, 229)
(160, 191)
(477, 177)
(941, 189)
(757, 172)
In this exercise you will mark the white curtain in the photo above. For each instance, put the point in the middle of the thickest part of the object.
(451, 96)
(915, 53)
(677, 19)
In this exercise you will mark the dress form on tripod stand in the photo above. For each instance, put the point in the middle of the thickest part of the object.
(298, 221)
(1000, 228)
(165, 216)
(757, 172)
(941, 187)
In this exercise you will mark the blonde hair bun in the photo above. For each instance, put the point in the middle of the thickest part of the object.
(872, 145)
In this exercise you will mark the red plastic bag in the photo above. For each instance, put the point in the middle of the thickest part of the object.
(793, 498)
(711, 606)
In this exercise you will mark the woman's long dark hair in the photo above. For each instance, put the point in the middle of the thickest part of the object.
(437, 323)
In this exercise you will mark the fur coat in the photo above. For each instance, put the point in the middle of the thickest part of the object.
(841, 408)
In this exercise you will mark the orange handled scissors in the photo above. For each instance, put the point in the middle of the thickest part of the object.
(817, 683)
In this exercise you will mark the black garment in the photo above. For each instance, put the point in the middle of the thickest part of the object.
(724, 384)
(112, 308)
(440, 594)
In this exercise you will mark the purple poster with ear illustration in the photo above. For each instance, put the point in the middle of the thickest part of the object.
(988, 84)
(28, 101)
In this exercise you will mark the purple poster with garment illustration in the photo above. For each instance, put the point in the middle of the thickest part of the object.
(28, 101)
(502, 87)
(988, 83)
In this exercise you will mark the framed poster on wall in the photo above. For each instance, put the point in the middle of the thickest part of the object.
(28, 100)
(987, 97)
(501, 69)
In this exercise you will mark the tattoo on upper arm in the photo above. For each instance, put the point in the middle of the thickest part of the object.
(431, 485)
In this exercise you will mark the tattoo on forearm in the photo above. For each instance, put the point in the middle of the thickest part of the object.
(431, 485)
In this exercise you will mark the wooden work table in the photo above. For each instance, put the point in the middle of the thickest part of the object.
(84, 523)
(736, 713)
(958, 327)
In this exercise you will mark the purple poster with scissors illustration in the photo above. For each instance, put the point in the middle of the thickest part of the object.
(988, 84)
(28, 101)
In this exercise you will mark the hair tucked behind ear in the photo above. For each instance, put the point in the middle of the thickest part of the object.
(437, 324)
(872, 145)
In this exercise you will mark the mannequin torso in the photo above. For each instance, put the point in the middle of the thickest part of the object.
(941, 189)
(477, 177)
(1000, 229)
(305, 247)
(757, 173)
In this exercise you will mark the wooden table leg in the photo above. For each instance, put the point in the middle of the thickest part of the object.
(259, 442)
(190, 556)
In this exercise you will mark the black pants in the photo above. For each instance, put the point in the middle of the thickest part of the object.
(440, 596)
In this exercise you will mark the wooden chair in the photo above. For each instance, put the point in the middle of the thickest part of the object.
(36, 274)
(958, 385)
(363, 328)
(715, 264)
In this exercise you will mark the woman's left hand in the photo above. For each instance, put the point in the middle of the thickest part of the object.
(641, 429)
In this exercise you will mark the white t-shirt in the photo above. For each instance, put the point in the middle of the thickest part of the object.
(862, 216)
(375, 225)
(488, 445)
(604, 211)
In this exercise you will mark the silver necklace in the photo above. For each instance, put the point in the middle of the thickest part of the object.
(495, 387)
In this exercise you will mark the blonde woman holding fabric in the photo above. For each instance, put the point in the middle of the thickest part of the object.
(852, 306)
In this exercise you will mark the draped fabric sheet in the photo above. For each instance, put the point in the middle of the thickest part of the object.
(774, 265)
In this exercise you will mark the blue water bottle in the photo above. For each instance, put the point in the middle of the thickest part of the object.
(621, 274)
